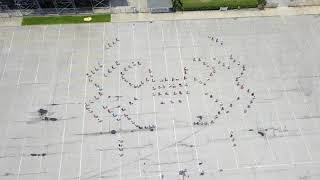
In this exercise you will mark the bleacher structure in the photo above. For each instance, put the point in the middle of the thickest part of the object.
(27, 7)
(63, 5)
(4, 5)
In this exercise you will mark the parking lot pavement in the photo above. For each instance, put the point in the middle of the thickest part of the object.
(206, 99)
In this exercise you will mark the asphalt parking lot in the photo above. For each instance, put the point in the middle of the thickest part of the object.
(193, 99)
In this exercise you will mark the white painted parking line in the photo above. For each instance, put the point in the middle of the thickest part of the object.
(23, 58)
(102, 86)
(235, 154)
(280, 165)
(170, 96)
(21, 155)
(226, 56)
(261, 167)
(142, 177)
(309, 110)
(6, 58)
(3, 47)
(44, 132)
(12, 106)
(218, 92)
(275, 109)
(293, 116)
(305, 100)
(37, 70)
(84, 103)
(195, 54)
(283, 87)
(66, 106)
(119, 94)
(262, 121)
(187, 98)
(307, 146)
(154, 103)
(136, 92)
(25, 139)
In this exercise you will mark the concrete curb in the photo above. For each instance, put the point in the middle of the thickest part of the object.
(10, 21)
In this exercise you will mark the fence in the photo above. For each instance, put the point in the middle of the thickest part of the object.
(17, 12)
(11, 8)
(161, 10)
(49, 11)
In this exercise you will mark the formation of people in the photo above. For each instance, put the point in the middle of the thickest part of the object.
(245, 96)
(120, 111)
(111, 44)
(170, 90)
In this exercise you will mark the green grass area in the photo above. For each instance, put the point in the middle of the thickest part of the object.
(65, 19)
(192, 5)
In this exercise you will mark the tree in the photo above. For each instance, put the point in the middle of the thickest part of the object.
(177, 5)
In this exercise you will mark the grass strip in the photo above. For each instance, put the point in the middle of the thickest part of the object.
(194, 5)
(47, 20)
